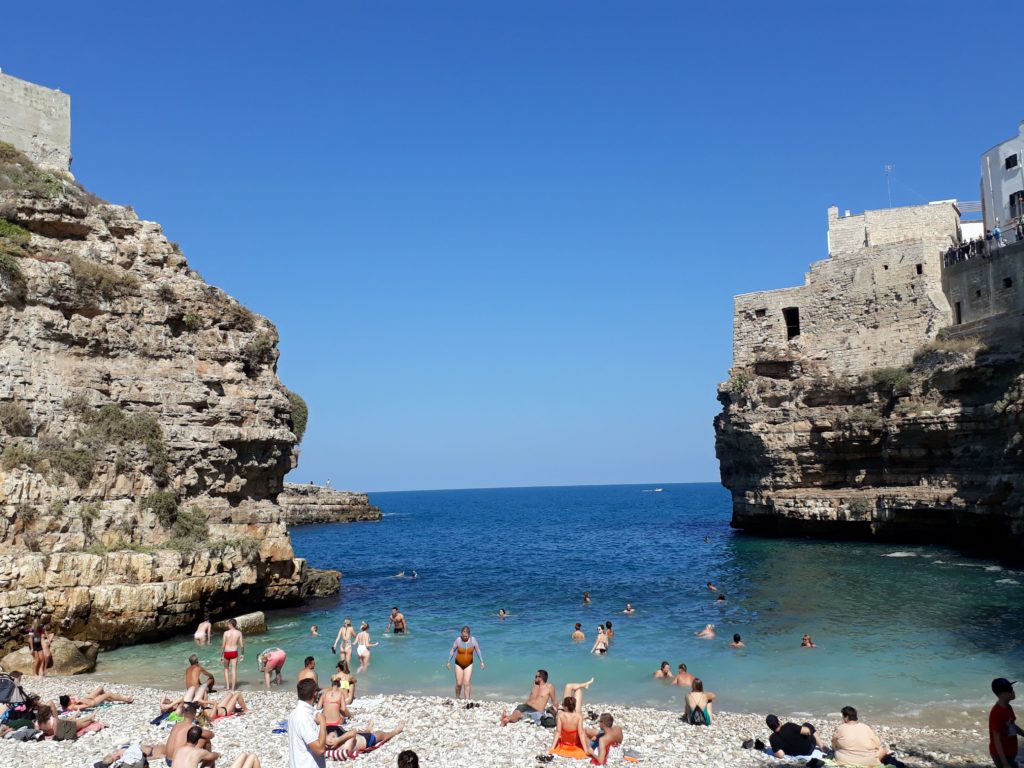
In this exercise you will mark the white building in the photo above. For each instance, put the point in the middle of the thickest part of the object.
(1002, 183)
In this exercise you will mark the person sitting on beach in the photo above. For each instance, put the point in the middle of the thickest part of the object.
(193, 676)
(806, 642)
(232, 647)
(684, 678)
(541, 692)
(397, 621)
(359, 741)
(790, 739)
(570, 738)
(204, 631)
(363, 646)
(335, 707)
(600, 642)
(708, 632)
(46, 720)
(577, 633)
(629, 611)
(345, 679)
(94, 699)
(308, 671)
(271, 661)
(737, 641)
(307, 730)
(601, 740)
(698, 704)
(856, 743)
(189, 754)
(133, 754)
(609, 631)
(177, 737)
(664, 672)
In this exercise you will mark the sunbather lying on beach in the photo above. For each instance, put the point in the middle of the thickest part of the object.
(232, 704)
(130, 753)
(360, 741)
(94, 699)
(46, 720)
(600, 740)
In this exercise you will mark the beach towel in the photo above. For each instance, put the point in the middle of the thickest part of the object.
(348, 754)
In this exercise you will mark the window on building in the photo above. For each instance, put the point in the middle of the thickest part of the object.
(1011, 161)
(885, 267)
(920, 269)
(1017, 204)
(977, 294)
(1007, 282)
(760, 312)
(792, 317)
(959, 314)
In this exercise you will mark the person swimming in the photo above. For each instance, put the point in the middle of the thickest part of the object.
(707, 632)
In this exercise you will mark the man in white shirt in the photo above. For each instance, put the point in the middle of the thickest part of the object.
(307, 731)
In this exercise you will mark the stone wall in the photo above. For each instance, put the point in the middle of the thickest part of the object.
(37, 121)
(302, 504)
(892, 226)
(985, 287)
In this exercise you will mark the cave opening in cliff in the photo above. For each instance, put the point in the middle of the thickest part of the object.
(792, 318)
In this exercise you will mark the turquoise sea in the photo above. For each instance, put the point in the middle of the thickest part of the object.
(910, 632)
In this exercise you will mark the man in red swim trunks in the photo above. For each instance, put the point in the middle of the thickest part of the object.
(232, 646)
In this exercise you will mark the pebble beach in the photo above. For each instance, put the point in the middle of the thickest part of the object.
(447, 735)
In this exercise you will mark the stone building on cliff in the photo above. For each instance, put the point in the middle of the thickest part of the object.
(884, 397)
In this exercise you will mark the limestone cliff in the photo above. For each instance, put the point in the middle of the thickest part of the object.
(302, 504)
(144, 432)
(928, 452)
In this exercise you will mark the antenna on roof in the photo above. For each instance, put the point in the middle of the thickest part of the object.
(888, 185)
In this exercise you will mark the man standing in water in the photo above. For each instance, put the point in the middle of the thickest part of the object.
(684, 678)
(232, 646)
(203, 632)
(541, 692)
(398, 621)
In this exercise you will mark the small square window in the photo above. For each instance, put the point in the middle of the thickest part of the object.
(885, 266)
(760, 312)
(1011, 161)
(920, 269)
(977, 294)
(1007, 282)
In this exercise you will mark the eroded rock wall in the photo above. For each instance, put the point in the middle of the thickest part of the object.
(303, 504)
(143, 429)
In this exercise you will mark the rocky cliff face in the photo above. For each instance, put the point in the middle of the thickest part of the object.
(143, 429)
(931, 451)
(303, 504)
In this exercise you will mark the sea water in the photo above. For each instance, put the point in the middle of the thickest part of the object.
(914, 632)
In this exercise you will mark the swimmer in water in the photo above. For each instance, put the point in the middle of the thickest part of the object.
(806, 642)
(707, 632)
(664, 672)
(737, 642)
(313, 631)
(586, 598)
(577, 633)
(712, 587)
(720, 598)
(629, 611)
(502, 614)
(600, 642)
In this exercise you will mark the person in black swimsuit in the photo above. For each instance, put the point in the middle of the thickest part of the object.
(35, 647)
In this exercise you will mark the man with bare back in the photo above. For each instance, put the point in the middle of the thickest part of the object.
(232, 646)
(193, 676)
(177, 738)
(190, 754)
(541, 692)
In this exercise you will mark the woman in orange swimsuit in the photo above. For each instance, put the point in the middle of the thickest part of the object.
(569, 734)
(463, 648)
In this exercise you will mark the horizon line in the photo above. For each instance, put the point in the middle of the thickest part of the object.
(524, 487)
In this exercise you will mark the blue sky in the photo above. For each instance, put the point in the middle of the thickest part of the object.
(500, 240)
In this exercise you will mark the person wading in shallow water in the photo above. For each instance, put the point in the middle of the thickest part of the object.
(463, 650)
(232, 646)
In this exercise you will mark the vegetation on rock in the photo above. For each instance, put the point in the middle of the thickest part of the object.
(15, 419)
(258, 353)
(300, 415)
(102, 281)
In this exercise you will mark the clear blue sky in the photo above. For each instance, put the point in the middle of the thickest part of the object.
(501, 240)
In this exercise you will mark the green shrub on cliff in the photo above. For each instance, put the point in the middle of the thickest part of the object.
(15, 420)
(300, 415)
(258, 353)
(890, 378)
(10, 273)
(100, 280)
(191, 526)
(192, 322)
(110, 425)
(164, 504)
(13, 233)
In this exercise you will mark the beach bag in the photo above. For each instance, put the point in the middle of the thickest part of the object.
(66, 730)
(697, 716)
(10, 691)
(548, 721)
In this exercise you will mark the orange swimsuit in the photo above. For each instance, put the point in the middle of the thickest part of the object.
(464, 656)
(569, 745)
